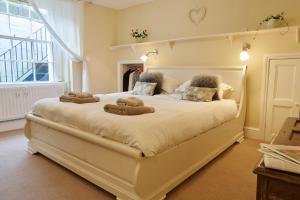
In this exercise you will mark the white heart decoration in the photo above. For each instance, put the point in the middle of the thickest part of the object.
(196, 15)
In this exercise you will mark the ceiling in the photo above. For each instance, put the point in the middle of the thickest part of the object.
(119, 4)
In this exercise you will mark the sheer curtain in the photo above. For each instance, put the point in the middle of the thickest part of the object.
(64, 20)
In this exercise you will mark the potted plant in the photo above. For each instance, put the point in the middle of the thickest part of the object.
(274, 21)
(139, 36)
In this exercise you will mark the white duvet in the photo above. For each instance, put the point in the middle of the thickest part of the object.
(173, 122)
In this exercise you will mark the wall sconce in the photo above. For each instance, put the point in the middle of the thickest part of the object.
(244, 54)
(144, 58)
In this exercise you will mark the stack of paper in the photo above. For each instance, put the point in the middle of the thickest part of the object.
(281, 157)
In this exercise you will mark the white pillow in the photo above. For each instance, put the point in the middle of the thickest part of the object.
(225, 91)
(183, 87)
(169, 84)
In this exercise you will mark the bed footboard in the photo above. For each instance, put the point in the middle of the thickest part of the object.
(138, 178)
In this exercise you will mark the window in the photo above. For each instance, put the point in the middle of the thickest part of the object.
(2, 7)
(25, 45)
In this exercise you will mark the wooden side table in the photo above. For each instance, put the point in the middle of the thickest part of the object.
(275, 184)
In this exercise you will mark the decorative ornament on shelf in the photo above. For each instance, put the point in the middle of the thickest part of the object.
(274, 21)
(139, 36)
(197, 15)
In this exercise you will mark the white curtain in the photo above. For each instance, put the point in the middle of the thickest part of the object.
(64, 20)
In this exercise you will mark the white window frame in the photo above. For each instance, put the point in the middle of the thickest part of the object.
(33, 61)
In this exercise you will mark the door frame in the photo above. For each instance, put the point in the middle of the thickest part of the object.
(120, 66)
(265, 84)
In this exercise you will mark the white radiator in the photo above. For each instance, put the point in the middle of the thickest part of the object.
(17, 100)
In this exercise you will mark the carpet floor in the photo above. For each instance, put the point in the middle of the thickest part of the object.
(27, 177)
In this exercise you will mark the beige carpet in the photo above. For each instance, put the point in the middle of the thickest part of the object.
(26, 177)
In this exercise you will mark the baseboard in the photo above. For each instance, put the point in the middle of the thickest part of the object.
(253, 133)
(12, 125)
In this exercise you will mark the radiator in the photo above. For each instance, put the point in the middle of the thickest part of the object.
(17, 100)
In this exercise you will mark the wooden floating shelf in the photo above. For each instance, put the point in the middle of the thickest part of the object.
(229, 36)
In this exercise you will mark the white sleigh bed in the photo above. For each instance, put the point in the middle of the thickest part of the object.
(123, 170)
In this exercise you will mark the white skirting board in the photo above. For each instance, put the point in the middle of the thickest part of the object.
(253, 133)
(12, 125)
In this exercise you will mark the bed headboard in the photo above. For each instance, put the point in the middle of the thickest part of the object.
(232, 75)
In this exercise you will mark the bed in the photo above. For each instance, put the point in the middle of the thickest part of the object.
(133, 170)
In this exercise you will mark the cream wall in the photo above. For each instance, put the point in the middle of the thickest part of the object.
(168, 19)
(100, 32)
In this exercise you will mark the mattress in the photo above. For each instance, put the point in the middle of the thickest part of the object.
(173, 122)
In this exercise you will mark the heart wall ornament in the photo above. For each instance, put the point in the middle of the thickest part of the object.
(197, 15)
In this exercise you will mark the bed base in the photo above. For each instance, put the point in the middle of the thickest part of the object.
(129, 176)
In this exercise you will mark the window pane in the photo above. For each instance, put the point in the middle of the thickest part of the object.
(19, 70)
(42, 72)
(18, 9)
(29, 51)
(4, 30)
(2, 72)
(15, 42)
(35, 51)
(2, 7)
(34, 15)
(24, 12)
(36, 26)
(28, 75)
(13, 9)
(39, 51)
(20, 27)
(24, 48)
(40, 32)
(4, 45)
(18, 52)
(23, 60)
(8, 71)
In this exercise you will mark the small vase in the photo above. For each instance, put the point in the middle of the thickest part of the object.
(273, 23)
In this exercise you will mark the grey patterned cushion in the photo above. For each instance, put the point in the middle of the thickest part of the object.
(143, 88)
(206, 81)
(153, 78)
(199, 94)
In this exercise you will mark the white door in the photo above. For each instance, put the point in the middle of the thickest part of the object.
(283, 98)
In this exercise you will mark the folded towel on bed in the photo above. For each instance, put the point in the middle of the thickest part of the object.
(130, 101)
(79, 100)
(128, 110)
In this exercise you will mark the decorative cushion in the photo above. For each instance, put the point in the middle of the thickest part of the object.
(207, 81)
(183, 86)
(169, 84)
(225, 91)
(144, 88)
(199, 94)
(152, 78)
